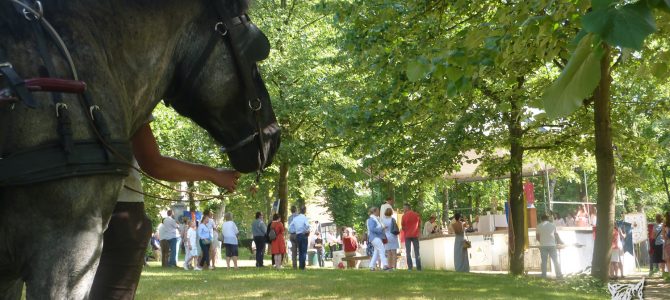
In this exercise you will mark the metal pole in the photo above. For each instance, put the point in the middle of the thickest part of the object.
(546, 191)
(550, 197)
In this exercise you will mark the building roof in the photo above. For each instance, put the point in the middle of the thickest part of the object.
(470, 171)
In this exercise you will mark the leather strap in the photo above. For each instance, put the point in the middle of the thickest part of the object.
(16, 83)
(48, 162)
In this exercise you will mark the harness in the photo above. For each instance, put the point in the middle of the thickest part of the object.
(67, 157)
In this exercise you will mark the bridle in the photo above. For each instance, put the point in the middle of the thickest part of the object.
(248, 45)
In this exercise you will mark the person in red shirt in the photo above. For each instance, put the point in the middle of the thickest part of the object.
(350, 246)
(410, 226)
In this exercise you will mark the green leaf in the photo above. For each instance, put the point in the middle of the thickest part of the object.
(577, 81)
(660, 4)
(626, 26)
(660, 70)
(417, 70)
(601, 4)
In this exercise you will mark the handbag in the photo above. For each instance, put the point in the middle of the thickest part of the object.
(394, 227)
(466, 243)
(206, 241)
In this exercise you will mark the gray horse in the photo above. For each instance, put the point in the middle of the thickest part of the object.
(131, 54)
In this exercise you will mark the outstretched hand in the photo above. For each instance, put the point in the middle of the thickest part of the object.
(226, 179)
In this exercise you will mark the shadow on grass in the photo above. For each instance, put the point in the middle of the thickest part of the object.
(158, 283)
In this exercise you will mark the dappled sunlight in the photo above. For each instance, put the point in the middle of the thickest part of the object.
(351, 284)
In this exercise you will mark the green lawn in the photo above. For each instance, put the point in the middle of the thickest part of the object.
(159, 283)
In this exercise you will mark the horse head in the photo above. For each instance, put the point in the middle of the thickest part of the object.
(219, 86)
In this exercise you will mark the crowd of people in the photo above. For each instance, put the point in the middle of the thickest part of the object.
(660, 245)
(201, 240)
(384, 235)
(582, 217)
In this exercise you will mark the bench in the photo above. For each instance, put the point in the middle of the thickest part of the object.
(354, 258)
(364, 257)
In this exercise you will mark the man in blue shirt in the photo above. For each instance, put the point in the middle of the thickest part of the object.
(293, 238)
(300, 226)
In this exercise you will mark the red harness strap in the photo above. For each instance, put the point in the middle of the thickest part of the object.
(45, 85)
(55, 85)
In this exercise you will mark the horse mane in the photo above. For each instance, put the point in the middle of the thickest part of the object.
(13, 23)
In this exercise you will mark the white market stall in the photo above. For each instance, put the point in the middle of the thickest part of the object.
(489, 251)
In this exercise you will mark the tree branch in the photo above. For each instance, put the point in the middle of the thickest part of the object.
(550, 146)
(312, 22)
(616, 63)
(558, 64)
(321, 151)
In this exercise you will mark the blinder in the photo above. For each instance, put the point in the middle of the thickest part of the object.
(250, 41)
(248, 45)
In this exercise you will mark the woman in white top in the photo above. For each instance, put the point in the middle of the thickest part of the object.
(229, 231)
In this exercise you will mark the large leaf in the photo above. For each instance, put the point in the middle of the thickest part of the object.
(577, 81)
(626, 26)
(660, 4)
(601, 4)
(417, 70)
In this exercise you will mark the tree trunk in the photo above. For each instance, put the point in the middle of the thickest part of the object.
(605, 172)
(665, 181)
(264, 195)
(445, 208)
(282, 191)
(191, 200)
(469, 201)
(517, 234)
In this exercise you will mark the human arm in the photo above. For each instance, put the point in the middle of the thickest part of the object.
(307, 227)
(151, 161)
(291, 227)
(375, 226)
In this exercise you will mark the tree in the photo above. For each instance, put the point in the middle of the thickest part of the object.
(608, 24)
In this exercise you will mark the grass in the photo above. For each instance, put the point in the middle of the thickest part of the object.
(174, 283)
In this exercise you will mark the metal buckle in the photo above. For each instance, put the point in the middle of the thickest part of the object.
(218, 26)
(60, 105)
(260, 105)
(91, 109)
(32, 15)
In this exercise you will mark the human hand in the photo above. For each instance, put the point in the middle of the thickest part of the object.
(226, 179)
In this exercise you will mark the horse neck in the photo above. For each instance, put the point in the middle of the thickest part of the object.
(137, 47)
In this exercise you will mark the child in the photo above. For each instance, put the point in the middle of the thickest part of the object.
(192, 248)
